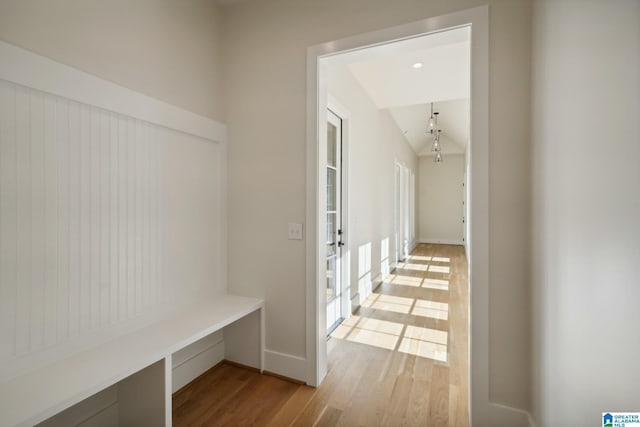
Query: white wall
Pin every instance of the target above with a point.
(169, 50)
(164, 49)
(586, 206)
(375, 143)
(265, 46)
(105, 219)
(440, 196)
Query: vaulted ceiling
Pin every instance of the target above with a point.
(390, 76)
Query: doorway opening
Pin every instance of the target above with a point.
(477, 20)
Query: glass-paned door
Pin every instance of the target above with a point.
(403, 222)
(334, 221)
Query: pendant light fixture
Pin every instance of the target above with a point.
(432, 121)
(434, 131)
(438, 158)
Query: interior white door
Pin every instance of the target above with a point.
(335, 292)
(402, 212)
(398, 216)
(404, 209)
(464, 207)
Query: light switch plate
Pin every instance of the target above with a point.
(295, 231)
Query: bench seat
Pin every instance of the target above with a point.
(40, 394)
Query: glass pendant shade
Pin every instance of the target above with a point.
(433, 130)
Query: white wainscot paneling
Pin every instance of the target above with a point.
(106, 222)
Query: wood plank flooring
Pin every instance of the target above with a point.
(401, 360)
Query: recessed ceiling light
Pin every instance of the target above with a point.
(417, 65)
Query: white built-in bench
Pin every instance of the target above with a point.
(124, 225)
(137, 366)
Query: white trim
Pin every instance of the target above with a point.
(288, 365)
(29, 69)
(375, 284)
(355, 302)
(376, 281)
(337, 107)
(510, 416)
(478, 18)
(440, 241)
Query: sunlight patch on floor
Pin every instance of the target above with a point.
(415, 282)
(410, 339)
(419, 258)
(376, 339)
(439, 284)
(432, 309)
(392, 303)
(424, 349)
(439, 269)
(383, 326)
(404, 335)
(414, 267)
(426, 334)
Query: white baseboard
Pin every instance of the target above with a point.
(376, 281)
(355, 302)
(503, 415)
(441, 241)
(357, 299)
(197, 364)
(287, 365)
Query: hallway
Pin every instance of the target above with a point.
(401, 359)
(415, 328)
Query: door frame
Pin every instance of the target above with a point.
(341, 223)
(316, 350)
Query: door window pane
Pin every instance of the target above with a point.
(331, 144)
(331, 228)
(331, 190)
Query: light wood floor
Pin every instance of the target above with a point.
(400, 360)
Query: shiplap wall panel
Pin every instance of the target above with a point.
(8, 221)
(104, 219)
(24, 231)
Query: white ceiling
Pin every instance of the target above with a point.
(387, 75)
